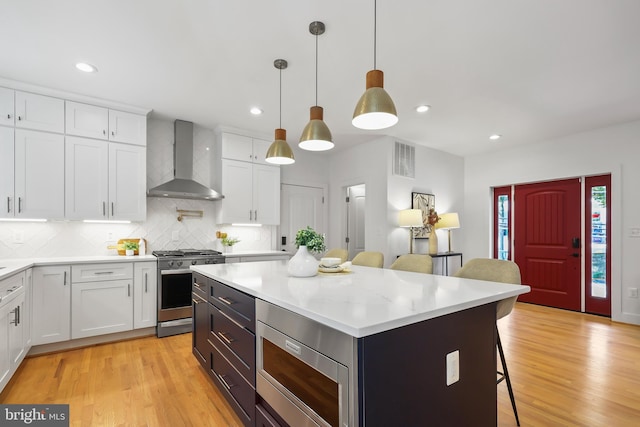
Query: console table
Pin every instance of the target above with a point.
(445, 260)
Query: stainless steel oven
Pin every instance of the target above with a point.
(174, 287)
(304, 370)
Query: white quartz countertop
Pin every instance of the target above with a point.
(363, 302)
(12, 266)
(235, 253)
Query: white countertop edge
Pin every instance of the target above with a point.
(255, 253)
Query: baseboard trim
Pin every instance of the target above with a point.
(55, 347)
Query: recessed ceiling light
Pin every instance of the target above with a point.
(256, 111)
(495, 136)
(423, 108)
(87, 68)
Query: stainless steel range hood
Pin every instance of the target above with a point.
(182, 186)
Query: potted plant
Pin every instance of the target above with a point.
(227, 242)
(303, 264)
(130, 248)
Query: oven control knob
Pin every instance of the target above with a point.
(194, 262)
(170, 263)
(179, 263)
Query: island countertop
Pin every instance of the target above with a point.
(364, 301)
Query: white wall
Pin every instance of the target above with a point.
(614, 150)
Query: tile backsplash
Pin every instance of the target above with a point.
(162, 230)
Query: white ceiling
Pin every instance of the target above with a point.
(530, 70)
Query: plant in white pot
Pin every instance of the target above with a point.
(303, 264)
(130, 248)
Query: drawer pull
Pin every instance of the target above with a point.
(226, 384)
(103, 272)
(223, 335)
(231, 319)
(227, 300)
(197, 285)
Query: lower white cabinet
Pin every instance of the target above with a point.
(51, 304)
(13, 329)
(101, 299)
(145, 294)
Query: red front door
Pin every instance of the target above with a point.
(547, 242)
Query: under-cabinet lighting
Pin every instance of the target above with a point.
(24, 219)
(104, 221)
(239, 224)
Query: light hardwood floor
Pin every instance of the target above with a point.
(567, 369)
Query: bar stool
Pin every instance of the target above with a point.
(413, 262)
(369, 259)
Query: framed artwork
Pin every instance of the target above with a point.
(424, 202)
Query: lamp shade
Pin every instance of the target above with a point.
(316, 135)
(279, 152)
(448, 221)
(375, 109)
(410, 218)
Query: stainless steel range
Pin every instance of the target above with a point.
(174, 287)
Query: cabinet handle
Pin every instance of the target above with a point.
(128, 289)
(255, 215)
(19, 204)
(112, 208)
(8, 116)
(8, 204)
(226, 300)
(64, 280)
(16, 316)
(223, 335)
(113, 133)
(19, 117)
(250, 215)
(226, 384)
(104, 208)
(104, 132)
(145, 282)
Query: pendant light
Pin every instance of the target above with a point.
(316, 135)
(375, 109)
(279, 152)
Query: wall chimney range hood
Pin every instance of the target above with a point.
(182, 186)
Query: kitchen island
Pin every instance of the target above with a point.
(401, 348)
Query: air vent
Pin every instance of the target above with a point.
(404, 160)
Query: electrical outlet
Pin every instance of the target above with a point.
(453, 367)
(175, 236)
(634, 232)
(109, 236)
(18, 237)
(633, 292)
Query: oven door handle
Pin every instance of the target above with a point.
(181, 271)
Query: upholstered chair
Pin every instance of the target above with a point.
(413, 262)
(343, 254)
(496, 270)
(369, 259)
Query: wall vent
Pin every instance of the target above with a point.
(404, 160)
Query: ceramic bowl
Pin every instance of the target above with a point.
(330, 262)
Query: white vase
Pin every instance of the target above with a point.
(433, 241)
(303, 264)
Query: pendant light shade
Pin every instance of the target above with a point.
(375, 109)
(316, 135)
(279, 152)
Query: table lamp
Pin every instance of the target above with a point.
(448, 221)
(410, 218)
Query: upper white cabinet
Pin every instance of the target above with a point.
(103, 123)
(6, 172)
(244, 148)
(39, 112)
(127, 182)
(7, 106)
(39, 175)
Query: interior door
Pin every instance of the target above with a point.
(547, 245)
(356, 197)
(300, 207)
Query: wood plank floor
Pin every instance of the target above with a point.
(567, 369)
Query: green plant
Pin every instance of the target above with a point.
(229, 241)
(313, 240)
(131, 245)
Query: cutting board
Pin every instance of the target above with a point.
(121, 242)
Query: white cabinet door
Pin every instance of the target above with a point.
(39, 175)
(99, 308)
(266, 195)
(51, 309)
(260, 148)
(127, 127)
(86, 120)
(145, 304)
(6, 318)
(16, 331)
(39, 112)
(127, 182)
(28, 311)
(237, 147)
(7, 106)
(86, 178)
(237, 187)
(6, 173)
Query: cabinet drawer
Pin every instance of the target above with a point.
(236, 343)
(100, 272)
(200, 285)
(241, 394)
(237, 305)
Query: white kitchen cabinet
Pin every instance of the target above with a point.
(101, 299)
(7, 189)
(51, 308)
(39, 175)
(252, 193)
(244, 148)
(7, 106)
(39, 112)
(127, 182)
(145, 302)
(12, 326)
(103, 123)
(28, 312)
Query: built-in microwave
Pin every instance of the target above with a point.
(296, 377)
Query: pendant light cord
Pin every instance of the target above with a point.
(316, 70)
(375, 32)
(280, 98)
